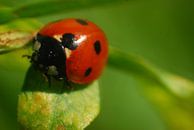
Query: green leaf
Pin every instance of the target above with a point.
(47, 107)
(12, 40)
(6, 14)
(25, 25)
(172, 95)
(177, 85)
(174, 101)
(13, 37)
(34, 9)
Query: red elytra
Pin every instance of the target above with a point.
(86, 62)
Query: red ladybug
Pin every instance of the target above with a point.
(75, 50)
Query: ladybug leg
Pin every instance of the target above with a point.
(68, 85)
(47, 79)
(26, 56)
(66, 82)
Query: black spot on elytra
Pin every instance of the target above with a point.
(88, 71)
(68, 41)
(82, 22)
(97, 47)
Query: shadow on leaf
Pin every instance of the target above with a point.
(35, 81)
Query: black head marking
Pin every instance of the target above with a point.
(97, 47)
(88, 71)
(68, 41)
(82, 22)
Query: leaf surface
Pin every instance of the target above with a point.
(44, 106)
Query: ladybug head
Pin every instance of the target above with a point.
(49, 56)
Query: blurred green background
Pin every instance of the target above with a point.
(161, 31)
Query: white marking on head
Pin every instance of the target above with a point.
(37, 45)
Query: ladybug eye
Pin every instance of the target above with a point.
(68, 41)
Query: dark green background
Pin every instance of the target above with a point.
(161, 31)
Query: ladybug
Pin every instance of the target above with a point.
(73, 50)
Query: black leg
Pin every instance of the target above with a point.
(27, 56)
(68, 85)
(48, 78)
(49, 81)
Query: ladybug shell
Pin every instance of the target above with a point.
(86, 62)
